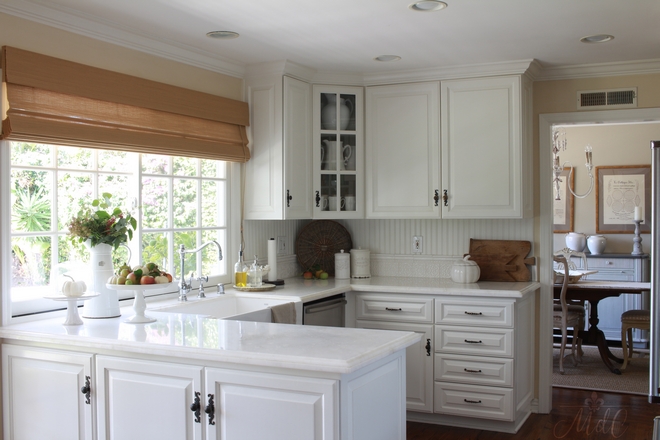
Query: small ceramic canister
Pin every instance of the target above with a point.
(342, 265)
(465, 271)
(360, 263)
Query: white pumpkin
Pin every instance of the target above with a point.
(73, 288)
(465, 271)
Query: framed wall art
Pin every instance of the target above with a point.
(563, 210)
(619, 190)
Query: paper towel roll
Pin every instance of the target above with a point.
(272, 259)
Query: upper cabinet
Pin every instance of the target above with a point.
(456, 149)
(486, 148)
(403, 151)
(279, 173)
(338, 152)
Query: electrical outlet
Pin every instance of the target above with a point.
(281, 245)
(417, 244)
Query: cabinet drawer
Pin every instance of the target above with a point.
(474, 370)
(474, 401)
(474, 312)
(394, 308)
(612, 275)
(610, 263)
(474, 340)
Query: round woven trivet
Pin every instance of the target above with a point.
(319, 241)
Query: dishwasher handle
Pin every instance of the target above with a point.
(325, 306)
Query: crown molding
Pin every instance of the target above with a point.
(639, 67)
(114, 34)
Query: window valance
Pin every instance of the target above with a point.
(54, 101)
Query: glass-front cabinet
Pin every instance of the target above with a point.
(338, 152)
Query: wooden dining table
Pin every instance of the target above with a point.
(593, 292)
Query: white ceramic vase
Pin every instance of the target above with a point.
(106, 305)
(576, 241)
(596, 244)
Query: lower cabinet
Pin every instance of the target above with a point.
(67, 395)
(42, 396)
(475, 365)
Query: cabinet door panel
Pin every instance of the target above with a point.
(481, 148)
(144, 399)
(419, 363)
(402, 150)
(251, 405)
(42, 398)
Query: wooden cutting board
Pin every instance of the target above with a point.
(502, 260)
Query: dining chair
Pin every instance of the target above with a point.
(631, 319)
(565, 315)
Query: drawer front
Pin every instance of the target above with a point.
(474, 401)
(612, 275)
(610, 263)
(474, 341)
(474, 312)
(394, 308)
(474, 370)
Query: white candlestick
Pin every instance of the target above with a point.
(638, 213)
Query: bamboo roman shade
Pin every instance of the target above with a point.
(54, 101)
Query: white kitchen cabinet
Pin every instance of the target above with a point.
(131, 392)
(251, 405)
(403, 151)
(405, 313)
(486, 147)
(42, 396)
(278, 175)
(338, 156)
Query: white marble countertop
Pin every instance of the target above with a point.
(328, 349)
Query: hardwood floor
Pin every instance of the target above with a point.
(576, 414)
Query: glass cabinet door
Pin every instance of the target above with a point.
(339, 152)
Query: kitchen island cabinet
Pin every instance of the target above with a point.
(273, 381)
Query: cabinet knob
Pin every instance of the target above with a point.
(195, 408)
(210, 410)
(445, 197)
(436, 197)
(87, 390)
(318, 199)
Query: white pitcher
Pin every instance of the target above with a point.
(346, 153)
(329, 154)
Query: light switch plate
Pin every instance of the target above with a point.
(417, 244)
(281, 245)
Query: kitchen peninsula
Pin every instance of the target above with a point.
(191, 376)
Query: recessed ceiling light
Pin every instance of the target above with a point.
(600, 38)
(428, 5)
(386, 58)
(222, 35)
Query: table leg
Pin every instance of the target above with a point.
(596, 336)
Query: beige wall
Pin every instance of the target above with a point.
(47, 40)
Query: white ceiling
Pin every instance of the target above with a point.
(343, 36)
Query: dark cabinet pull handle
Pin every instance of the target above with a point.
(87, 390)
(474, 313)
(318, 200)
(210, 410)
(436, 197)
(195, 407)
(473, 342)
(445, 197)
(471, 371)
(428, 347)
(472, 401)
(289, 197)
(393, 309)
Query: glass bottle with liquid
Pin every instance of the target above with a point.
(240, 271)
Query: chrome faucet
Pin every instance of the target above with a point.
(186, 287)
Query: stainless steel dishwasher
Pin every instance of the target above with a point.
(327, 312)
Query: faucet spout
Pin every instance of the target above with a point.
(186, 287)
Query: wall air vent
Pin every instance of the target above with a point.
(607, 99)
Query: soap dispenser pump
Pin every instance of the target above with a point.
(254, 274)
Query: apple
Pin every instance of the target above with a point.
(318, 273)
(169, 277)
(308, 275)
(124, 272)
(324, 276)
(132, 278)
(147, 279)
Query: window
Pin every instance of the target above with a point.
(176, 200)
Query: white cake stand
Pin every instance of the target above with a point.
(139, 305)
(72, 317)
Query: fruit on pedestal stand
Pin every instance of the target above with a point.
(147, 274)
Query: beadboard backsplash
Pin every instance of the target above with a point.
(391, 242)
